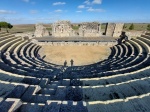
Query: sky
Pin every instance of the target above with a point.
(76, 11)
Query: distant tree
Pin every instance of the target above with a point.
(5, 25)
(148, 27)
(131, 27)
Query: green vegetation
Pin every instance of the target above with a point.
(131, 27)
(103, 26)
(50, 29)
(23, 28)
(31, 27)
(148, 27)
(5, 25)
(137, 26)
(75, 27)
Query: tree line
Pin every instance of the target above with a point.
(132, 27)
(5, 25)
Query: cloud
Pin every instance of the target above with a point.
(59, 3)
(87, 2)
(95, 10)
(97, 2)
(59, 10)
(7, 12)
(33, 11)
(81, 6)
(26, 0)
(79, 11)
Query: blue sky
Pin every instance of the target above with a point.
(48, 11)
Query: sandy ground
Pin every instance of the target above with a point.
(81, 55)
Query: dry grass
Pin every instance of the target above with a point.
(30, 27)
(82, 55)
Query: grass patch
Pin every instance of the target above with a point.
(75, 27)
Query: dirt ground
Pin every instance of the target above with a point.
(81, 55)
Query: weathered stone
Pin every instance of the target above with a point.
(25, 35)
(118, 29)
(90, 29)
(53, 106)
(74, 93)
(114, 29)
(28, 96)
(18, 91)
(40, 31)
(75, 82)
(71, 106)
(10, 105)
(44, 82)
(32, 81)
(31, 108)
(62, 29)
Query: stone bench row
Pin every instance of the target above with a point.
(9, 55)
(131, 104)
(122, 58)
(15, 78)
(119, 91)
(115, 78)
(145, 46)
(16, 105)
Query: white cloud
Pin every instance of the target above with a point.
(26, 0)
(97, 2)
(81, 6)
(33, 11)
(95, 10)
(87, 2)
(59, 10)
(79, 11)
(7, 12)
(59, 3)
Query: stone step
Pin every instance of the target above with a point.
(31, 81)
(44, 82)
(32, 90)
(48, 91)
(31, 107)
(18, 91)
(10, 105)
(71, 106)
(52, 86)
(33, 95)
(148, 34)
(1, 100)
(52, 106)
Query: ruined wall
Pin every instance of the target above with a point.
(77, 43)
(40, 31)
(90, 29)
(118, 29)
(114, 29)
(135, 33)
(62, 29)
(110, 27)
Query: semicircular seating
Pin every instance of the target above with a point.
(117, 84)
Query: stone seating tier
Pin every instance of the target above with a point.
(28, 83)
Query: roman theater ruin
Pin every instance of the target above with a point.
(67, 70)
